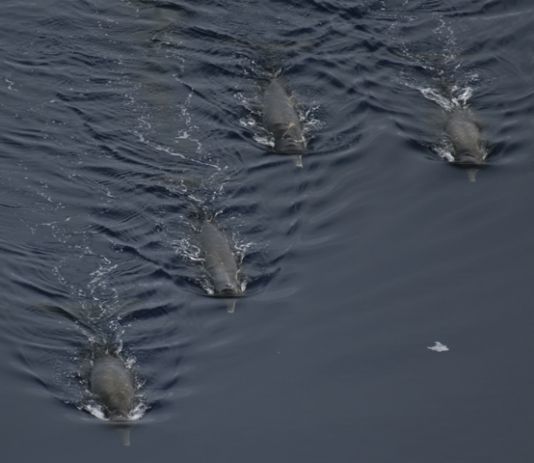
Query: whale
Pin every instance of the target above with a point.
(112, 384)
(281, 119)
(464, 133)
(219, 261)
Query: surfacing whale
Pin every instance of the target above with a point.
(464, 133)
(220, 261)
(112, 384)
(281, 119)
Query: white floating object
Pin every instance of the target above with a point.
(438, 347)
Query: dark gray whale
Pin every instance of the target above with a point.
(465, 136)
(219, 261)
(281, 119)
(112, 384)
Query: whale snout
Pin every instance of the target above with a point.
(289, 140)
(289, 146)
(119, 417)
(229, 292)
(230, 289)
(470, 160)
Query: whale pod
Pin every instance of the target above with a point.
(281, 119)
(219, 261)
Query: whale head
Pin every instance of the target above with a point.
(289, 145)
(119, 406)
(473, 157)
(464, 133)
(469, 161)
(229, 290)
(289, 139)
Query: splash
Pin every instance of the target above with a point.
(444, 151)
(138, 411)
(436, 97)
(459, 96)
(186, 249)
(96, 410)
(242, 247)
(311, 121)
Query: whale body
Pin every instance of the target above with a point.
(219, 261)
(464, 133)
(113, 385)
(281, 119)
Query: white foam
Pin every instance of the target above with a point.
(444, 153)
(438, 347)
(433, 95)
(138, 412)
(96, 410)
(185, 248)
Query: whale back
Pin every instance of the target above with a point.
(465, 135)
(282, 120)
(113, 384)
(219, 261)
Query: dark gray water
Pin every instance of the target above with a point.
(121, 119)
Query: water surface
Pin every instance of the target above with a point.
(122, 119)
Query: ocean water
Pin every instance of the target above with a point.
(388, 312)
